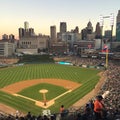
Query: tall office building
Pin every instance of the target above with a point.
(76, 30)
(53, 34)
(5, 37)
(63, 27)
(89, 28)
(107, 34)
(11, 36)
(84, 34)
(21, 32)
(26, 26)
(98, 31)
(31, 32)
(118, 26)
(26, 31)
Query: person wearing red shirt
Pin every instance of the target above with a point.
(99, 108)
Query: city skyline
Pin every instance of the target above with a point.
(45, 13)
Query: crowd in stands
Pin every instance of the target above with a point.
(111, 99)
(110, 89)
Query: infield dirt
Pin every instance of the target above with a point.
(65, 83)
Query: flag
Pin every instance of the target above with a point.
(89, 46)
(105, 48)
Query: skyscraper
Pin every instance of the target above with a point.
(26, 26)
(84, 34)
(21, 32)
(31, 32)
(63, 27)
(26, 31)
(76, 30)
(5, 36)
(118, 26)
(98, 31)
(53, 34)
(89, 28)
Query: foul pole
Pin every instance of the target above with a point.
(106, 58)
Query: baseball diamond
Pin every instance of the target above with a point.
(69, 84)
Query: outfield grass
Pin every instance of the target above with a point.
(87, 77)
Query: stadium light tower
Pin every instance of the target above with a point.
(111, 24)
(101, 26)
(111, 17)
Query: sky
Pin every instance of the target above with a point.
(41, 14)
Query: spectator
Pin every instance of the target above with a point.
(29, 116)
(88, 114)
(99, 108)
(62, 108)
(63, 112)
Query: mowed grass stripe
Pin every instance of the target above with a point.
(45, 71)
(71, 98)
(87, 77)
(19, 103)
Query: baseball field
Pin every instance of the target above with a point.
(35, 87)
